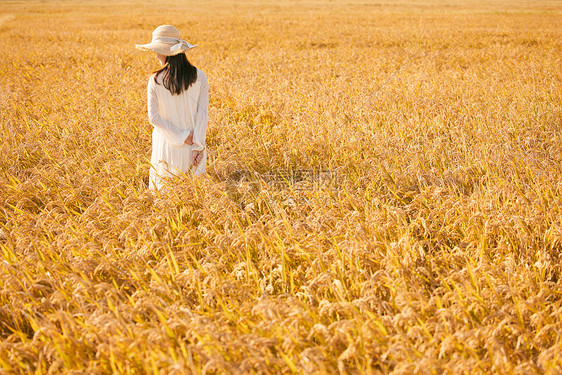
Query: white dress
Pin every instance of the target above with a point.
(174, 117)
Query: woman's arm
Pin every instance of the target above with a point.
(202, 117)
(173, 134)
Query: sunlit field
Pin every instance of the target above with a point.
(383, 192)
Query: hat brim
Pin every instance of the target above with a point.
(163, 48)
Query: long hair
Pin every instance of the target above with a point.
(178, 73)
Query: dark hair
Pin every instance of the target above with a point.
(178, 73)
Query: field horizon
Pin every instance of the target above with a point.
(383, 192)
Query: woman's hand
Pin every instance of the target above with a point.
(189, 139)
(196, 156)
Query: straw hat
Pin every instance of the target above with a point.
(166, 41)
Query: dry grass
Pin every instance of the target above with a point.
(438, 251)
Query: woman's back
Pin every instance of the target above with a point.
(181, 110)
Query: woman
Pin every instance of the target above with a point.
(178, 101)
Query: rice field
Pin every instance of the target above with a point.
(383, 192)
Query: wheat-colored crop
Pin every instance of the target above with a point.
(383, 195)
